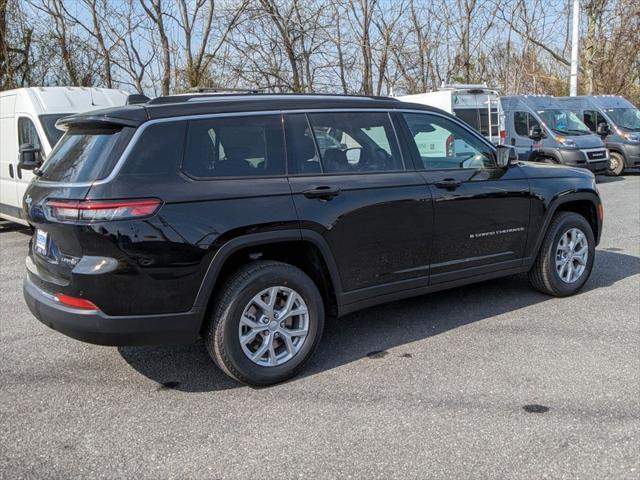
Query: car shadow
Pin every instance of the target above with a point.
(372, 332)
(7, 226)
(600, 179)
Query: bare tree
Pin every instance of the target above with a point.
(156, 13)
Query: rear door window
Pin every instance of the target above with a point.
(353, 142)
(235, 147)
(86, 154)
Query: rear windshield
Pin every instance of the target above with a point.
(85, 155)
(478, 118)
(49, 124)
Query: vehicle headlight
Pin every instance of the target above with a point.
(566, 142)
(631, 137)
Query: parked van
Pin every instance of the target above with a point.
(27, 128)
(623, 121)
(544, 130)
(476, 105)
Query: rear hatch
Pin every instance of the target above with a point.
(88, 152)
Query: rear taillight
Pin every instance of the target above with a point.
(503, 136)
(100, 210)
(75, 302)
(451, 152)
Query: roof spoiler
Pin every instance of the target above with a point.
(136, 99)
(94, 121)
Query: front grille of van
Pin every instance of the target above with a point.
(597, 155)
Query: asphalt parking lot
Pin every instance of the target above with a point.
(432, 387)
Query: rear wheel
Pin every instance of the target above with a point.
(267, 322)
(616, 164)
(566, 257)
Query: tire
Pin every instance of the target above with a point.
(616, 164)
(248, 288)
(547, 160)
(544, 275)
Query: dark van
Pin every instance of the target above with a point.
(621, 122)
(246, 219)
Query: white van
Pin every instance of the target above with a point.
(27, 123)
(477, 105)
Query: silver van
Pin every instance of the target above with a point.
(623, 121)
(544, 130)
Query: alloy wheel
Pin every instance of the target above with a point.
(274, 326)
(572, 254)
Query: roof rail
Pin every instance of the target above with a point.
(214, 90)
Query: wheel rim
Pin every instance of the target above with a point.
(614, 163)
(572, 254)
(274, 326)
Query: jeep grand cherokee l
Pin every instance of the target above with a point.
(224, 217)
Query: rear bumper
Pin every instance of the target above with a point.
(97, 327)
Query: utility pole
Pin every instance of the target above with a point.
(575, 39)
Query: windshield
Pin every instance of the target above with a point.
(628, 118)
(563, 121)
(50, 130)
(84, 155)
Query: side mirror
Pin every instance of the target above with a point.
(536, 133)
(506, 155)
(30, 157)
(603, 129)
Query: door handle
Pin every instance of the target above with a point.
(448, 183)
(323, 192)
(11, 170)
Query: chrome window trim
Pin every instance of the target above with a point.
(141, 129)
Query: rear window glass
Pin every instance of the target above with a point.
(235, 147)
(85, 155)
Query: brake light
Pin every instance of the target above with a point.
(101, 210)
(503, 136)
(75, 302)
(450, 146)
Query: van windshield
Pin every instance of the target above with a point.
(85, 155)
(628, 118)
(563, 121)
(49, 124)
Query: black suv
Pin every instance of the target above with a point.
(245, 219)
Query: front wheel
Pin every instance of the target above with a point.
(266, 324)
(566, 257)
(616, 164)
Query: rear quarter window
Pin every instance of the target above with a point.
(235, 147)
(158, 150)
(85, 155)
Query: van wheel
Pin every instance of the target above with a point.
(267, 322)
(566, 257)
(616, 164)
(548, 160)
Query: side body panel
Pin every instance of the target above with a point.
(8, 157)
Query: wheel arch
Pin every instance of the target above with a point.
(585, 203)
(304, 249)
